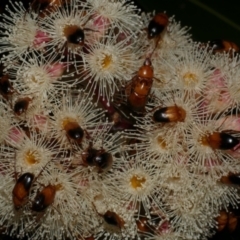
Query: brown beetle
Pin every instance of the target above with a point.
(157, 25)
(45, 197)
(141, 85)
(73, 130)
(21, 190)
(169, 114)
(220, 46)
(21, 105)
(101, 159)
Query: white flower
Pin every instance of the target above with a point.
(68, 214)
(155, 143)
(38, 75)
(190, 69)
(135, 184)
(189, 212)
(68, 29)
(96, 162)
(73, 120)
(107, 66)
(34, 153)
(116, 14)
(20, 30)
(219, 195)
(206, 155)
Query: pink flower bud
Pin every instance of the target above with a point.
(217, 79)
(229, 123)
(15, 135)
(40, 38)
(216, 98)
(40, 122)
(100, 23)
(84, 183)
(99, 26)
(56, 69)
(164, 228)
(124, 36)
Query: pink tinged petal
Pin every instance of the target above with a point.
(123, 36)
(165, 227)
(131, 206)
(203, 106)
(100, 23)
(99, 26)
(40, 122)
(217, 95)
(209, 163)
(83, 184)
(217, 79)
(40, 38)
(56, 70)
(181, 159)
(229, 123)
(15, 135)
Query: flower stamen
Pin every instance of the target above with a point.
(106, 61)
(31, 158)
(137, 181)
(190, 78)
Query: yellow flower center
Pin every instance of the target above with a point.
(106, 61)
(190, 78)
(137, 181)
(59, 187)
(31, 158)
(203, 140)
(34, 79)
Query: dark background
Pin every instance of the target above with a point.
(208, 19)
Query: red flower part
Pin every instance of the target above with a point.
(164, 227)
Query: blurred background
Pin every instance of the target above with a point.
(208, 20)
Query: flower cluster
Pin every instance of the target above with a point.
(114, 124)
